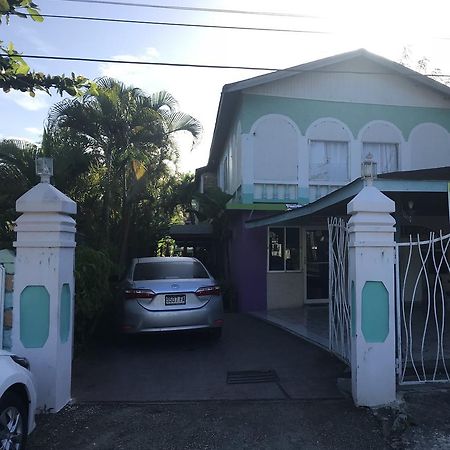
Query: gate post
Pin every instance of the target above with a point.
(372, 294)
(44, 291)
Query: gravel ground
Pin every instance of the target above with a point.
(287, 424)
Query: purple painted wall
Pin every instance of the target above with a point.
(248, 262)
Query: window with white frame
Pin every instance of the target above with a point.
(385, 155)
(283, 249)
(328, 161)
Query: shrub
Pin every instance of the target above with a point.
(92, 292)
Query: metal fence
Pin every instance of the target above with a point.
(339, 306)
(423, 309)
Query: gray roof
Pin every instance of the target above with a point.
(231, 93)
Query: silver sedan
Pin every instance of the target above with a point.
(171, 293)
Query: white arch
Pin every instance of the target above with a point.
(258, 121)
(429, 145)
(329, 129)
(427, 124)
(275, 143)
(382, 132)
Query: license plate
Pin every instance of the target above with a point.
(175, 300)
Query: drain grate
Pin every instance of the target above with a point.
(252, 376)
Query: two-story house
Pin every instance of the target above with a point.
(295, 139)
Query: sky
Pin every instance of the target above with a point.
(383, 27)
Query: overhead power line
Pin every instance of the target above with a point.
(209, 66)
(177, 24)
(192, 8)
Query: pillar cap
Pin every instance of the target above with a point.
(45, 198)
(370, 199)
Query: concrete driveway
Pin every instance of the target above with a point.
(171, 393)
(191, 366)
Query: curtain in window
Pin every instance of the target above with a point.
(385, 155)
(328, 161)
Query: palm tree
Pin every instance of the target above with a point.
(17, 172)
(131, 134)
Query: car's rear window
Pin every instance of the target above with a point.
(162, 270)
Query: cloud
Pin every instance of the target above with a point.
(25, 101)
(131, 74)
(35, 132)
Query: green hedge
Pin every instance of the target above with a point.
(93, 294)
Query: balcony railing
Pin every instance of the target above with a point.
(275, 192)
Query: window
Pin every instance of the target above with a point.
(284, 249)
(328, 161)
(385, 155)
(169, 269)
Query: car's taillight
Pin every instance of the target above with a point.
(139, 293)
(208, 290)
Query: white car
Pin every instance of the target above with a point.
(17, 401)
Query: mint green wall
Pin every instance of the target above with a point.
(34, 316)
(354, 115)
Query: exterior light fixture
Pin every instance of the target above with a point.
(369, 169)
(44, 168)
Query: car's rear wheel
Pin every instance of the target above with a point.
(13, 422)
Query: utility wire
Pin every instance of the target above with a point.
(178, 24)
(191, 25)
(209, 66)
(192, 8)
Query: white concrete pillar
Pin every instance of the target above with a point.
(371, 290)
(44, 291)
(247, 149)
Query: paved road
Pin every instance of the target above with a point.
(171, 392)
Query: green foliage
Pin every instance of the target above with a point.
(212, 203)
(18, 175)
(93, 295)
(165, 246)
(131, 135)
(115, 156)
(15, 74)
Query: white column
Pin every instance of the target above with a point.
(371, 290)
(247, 144)
(44, 291)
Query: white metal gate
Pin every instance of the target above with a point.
(339, 305)
(2, 302)
(423, 309)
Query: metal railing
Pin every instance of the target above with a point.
(423, 296)
(275, 192)
(339, 306)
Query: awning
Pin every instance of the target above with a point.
(335, 203)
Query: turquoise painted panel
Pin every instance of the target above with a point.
(353, 306)
(375, 312)
(354, 115)
(34, 316)
(65, 313)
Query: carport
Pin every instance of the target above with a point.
(421, 199)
